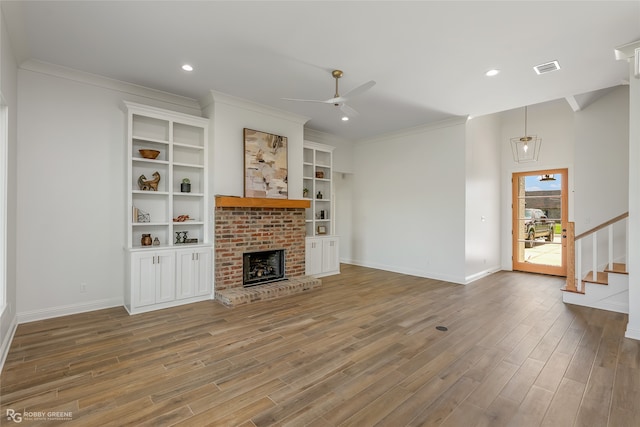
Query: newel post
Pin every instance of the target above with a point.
(568, 237)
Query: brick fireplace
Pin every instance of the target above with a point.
(245, 225)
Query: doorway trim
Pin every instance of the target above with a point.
(564, 215)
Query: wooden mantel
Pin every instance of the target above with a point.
(255, 202)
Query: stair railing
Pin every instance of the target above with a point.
(574, 250)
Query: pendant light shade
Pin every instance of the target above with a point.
(526, 148)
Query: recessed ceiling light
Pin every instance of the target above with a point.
(345, 118)
(492, 73)
(187, 67)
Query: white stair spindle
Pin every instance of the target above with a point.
(594, 268)
(610, 243)
(579, 265)
(626, 236)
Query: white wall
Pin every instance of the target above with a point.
(482, 222)
(602, 172)
(408, 202)
(601, 175)
(343, 197)
(71, 191)
(591, 143)
(229, 116)
(9, 91)
(343, 153)
(633, 327)
(343, 167)
(551, 121)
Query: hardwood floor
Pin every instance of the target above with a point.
(362, 351)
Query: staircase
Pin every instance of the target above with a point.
(606, 283)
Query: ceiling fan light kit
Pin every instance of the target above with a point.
(341, 100)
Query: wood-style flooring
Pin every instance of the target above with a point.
(362, 351)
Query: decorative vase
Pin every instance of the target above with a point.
(156, 242)
(146, 240)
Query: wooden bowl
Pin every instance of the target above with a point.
(149, 154)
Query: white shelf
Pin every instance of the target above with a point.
(150, 193)
(143, 160)
(318, 158)
(146, 139)
(188, 146)
(182, 142)
(187, 165)
(188, 194)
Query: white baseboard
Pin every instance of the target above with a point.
(407, 271)
(6, 342)
(634, 334)
(65, 310)
(481, 274)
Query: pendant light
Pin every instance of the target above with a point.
(526, 148)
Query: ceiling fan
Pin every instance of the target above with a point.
(340, 100)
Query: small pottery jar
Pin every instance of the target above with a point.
(146, 240)
(156, 242)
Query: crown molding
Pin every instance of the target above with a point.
(108, 83)
(215, 97)
(630, 52)
(456, 121)
(627, 51)
(323, 137)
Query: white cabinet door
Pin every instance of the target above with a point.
(330, 255)
(153, 278)
(143, 279)
(184, 274)
(313, 256)
(193, 272)
(202, 272)
(165, 277)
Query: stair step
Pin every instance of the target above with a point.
(564, 289)
(617, 268)
(573, 289)
(600, 278)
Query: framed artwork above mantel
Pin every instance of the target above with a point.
(265, 165)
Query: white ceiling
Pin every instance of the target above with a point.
(428, 58)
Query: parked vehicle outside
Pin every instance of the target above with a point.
(537, 225)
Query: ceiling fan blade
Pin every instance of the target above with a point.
(358, 90)
(336, 101)
(350, 112)
(328, 101)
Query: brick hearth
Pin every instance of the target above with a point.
(240, 229)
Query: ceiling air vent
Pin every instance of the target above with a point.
(547, 67)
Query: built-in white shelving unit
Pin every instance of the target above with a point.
(317, 169)
(322, 254)
(156, 209)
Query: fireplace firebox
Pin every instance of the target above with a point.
(262, 267)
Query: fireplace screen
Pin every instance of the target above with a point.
(262, 267)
